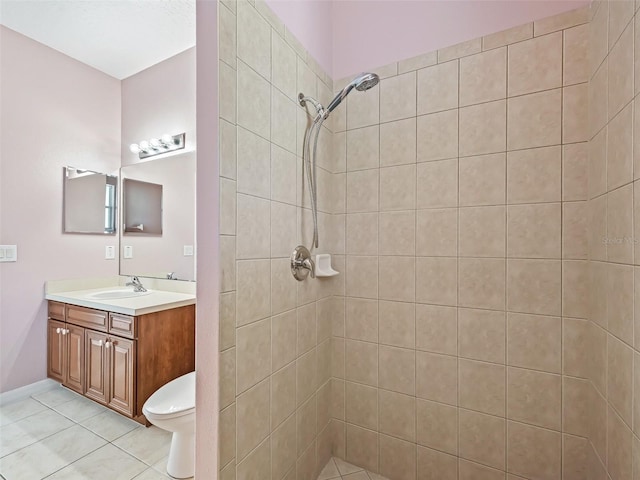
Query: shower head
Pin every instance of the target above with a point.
(366, 81)
(362, 82)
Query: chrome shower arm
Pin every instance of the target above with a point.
(318, 106)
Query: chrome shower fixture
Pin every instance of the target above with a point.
(318, 106)
(362, 83)
(301, 261)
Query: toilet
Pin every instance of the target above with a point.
(173, 408)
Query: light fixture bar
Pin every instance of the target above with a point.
(166, 143)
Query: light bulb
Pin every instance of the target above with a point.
(155, 143)
(144, 145)
(134, 148)
(167, 139)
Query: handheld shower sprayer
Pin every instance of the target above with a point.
(299, 266)
(362, 83)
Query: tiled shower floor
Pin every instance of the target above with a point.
(59, 435)
(339, 469)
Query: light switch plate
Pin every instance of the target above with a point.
(109, 252)
(8, 253)
(128, 251)
(188, 250)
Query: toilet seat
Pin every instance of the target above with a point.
(175, 399)
(151, 416)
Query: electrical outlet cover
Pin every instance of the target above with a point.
(8, 253)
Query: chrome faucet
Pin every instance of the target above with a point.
(136, 284)
(302, 264)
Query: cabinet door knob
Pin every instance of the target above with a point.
(58, 330)
(65, 331)
(107, 344)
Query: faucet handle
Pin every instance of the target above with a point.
(302, 264)
(310, 265)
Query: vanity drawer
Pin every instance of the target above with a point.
(122, 325)
(56, 310)
(87, 317)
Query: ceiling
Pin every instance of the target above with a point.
(117, 37)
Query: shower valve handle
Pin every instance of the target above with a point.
(302, 264)
(310, 265)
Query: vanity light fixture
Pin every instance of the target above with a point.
(157, 146)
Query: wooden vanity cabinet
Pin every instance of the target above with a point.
(56, 361)
(125, 359)
(65, 349)
(75, 358)
(122, 375)
(110, 371)
(97, 366)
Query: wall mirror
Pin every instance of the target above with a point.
(141, 207)
(157, 238)
(89, 202)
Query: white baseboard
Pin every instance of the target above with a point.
(26, 391)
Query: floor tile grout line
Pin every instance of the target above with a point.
(147, 465)
(75, 461)
(59, 431)
(39, 440)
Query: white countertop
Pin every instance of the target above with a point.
(155, 301)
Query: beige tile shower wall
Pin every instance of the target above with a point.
(275, 345)
(614, 220)
(462, 354)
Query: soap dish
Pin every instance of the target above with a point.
(323, 266)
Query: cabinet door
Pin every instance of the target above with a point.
(97, 383)
(56, 358)
(122, 358)
(75, 358)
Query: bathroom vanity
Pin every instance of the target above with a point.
(119, 351)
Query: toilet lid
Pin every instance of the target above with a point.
(179, 395)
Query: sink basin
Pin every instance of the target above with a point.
(116, 294)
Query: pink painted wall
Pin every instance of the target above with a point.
(368, 34)
(372, 34)
(54, 111)
(310, 21)
(162, 99)
(158, 100)
(208, 258)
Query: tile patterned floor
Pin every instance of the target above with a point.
(339, 469)
(60, 435)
